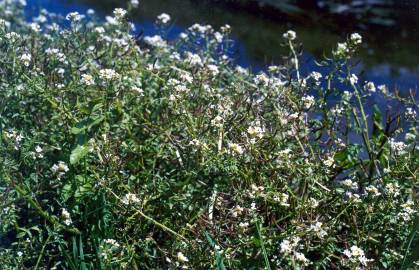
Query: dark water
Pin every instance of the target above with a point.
(390, 29)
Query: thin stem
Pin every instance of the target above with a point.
(139, 212)
(297, 68)
(42, 252)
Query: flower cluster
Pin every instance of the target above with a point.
(151, 153)
(356, 256)
(60, 169)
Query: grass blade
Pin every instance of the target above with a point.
(262, 245)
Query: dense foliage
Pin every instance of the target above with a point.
(119, 151)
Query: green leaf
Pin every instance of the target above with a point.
(78, 153)
(262, 244)
(75, 251)
(377, 128)
(82, 263)
(413, 246)
(348, 158)
(66, 192)
(86, 124)
(83, 190)
(218, 257)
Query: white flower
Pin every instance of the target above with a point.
(218, 37)
(60, 71)
(356, 38)
(182, 258)
(308, 101)
(356, 255)
(155, 41)
(193, 59)
(255, 131)
(317, 228)
(410, 136)
(180, 88)
(285, 246)
(99, 30)
(262, 79)
(38, 152)
(119, 13)
(373, 191)
(5, 23)
(111, 20)
(130, 198)
(407, 211)
(410, 113)
(346, 95)
(183, 35)
(139, 90)
(65, 215)
(163, 18)
(12, 134)
(393, 189)
(243, 225)
(353, 197)
(26, 59)
(301, 258)
(112, 242)
(35, 27)
(56, 54)
(370, 87)
(236, 148)
(213, 69)
(108, 74)
(238, 210)
(290, 35)
(74, 17)
(87, 79)
(353, 79)
(329, 161)
(349, 252)
(135, 3)
(316, 75)
(241, 70)
(282, 199)
(313, 203)
(38, 149)
(186, 77)
(19, 253)
(356, 251)
(12, 36)
(226, 28)
(364, 261)
(349, 184)
(338, 110)
(382, 88)
(121, 42)
(399, 148)
(60, 169)
(200, 29)
(342, 49)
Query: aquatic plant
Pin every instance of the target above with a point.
(119, 151)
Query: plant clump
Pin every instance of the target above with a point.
(126, 152)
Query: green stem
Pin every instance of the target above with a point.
(52, 219)
(262, 245)
(297, 68)
(139, 212)
(42, 252)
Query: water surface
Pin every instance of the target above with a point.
(390, 29)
